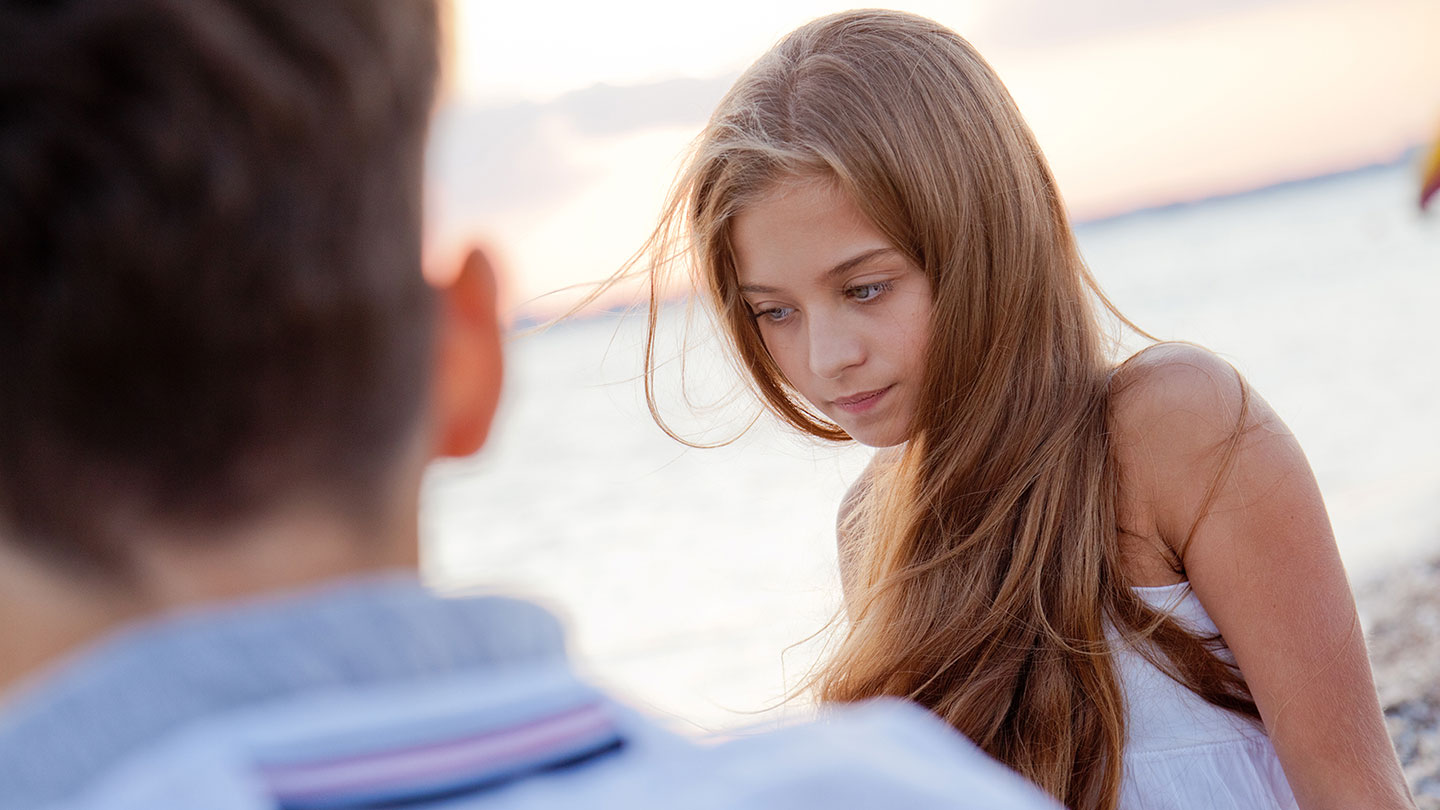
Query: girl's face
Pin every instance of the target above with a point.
(845, 315)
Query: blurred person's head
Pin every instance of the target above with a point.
(213, 313)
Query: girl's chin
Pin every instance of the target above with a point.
(888, 427)
(877, 437)
(879, 444)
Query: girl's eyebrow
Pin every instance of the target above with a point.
(858, 259)
(838, 270)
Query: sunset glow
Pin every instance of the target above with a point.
(1130, 116)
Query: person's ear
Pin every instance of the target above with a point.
(468, 364)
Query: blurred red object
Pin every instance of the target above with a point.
(1430, 180)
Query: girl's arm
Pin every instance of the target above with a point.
(1263, 561)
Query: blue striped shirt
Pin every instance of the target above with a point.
(375, 693)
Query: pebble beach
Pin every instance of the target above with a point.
(1401, 613)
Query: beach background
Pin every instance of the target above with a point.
(1244, 175)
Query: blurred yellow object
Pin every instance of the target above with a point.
(1430, 180)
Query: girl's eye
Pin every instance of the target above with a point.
(867, 292)
(774, 314)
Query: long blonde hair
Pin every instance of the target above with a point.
(989, 564)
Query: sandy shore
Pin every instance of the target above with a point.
(1401, 611)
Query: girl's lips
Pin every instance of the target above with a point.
(863, 401)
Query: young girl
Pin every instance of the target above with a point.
(1118, 579)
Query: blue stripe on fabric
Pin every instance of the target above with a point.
(472, 784)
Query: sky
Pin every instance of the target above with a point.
(564, 125)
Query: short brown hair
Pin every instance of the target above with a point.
(209, 245)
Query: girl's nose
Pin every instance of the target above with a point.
(833, 348)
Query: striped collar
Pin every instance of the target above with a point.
(424, 756)
(155, 680)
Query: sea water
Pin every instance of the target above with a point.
(690, 577)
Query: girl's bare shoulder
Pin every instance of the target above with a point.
(1180, 415)
(1179, 398)
(1170, 380)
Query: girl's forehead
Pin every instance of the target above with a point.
(796, 190)
(801, 226)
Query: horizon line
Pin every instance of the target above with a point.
(527, 319)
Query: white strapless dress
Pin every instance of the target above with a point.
(1183, 753)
